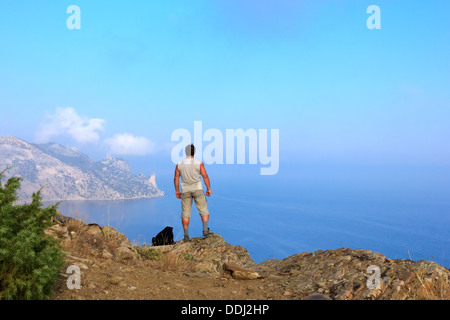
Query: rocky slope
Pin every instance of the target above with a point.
(210, 268)
(69, 174)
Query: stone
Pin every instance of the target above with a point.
(317, 296)
(307, 288)
(397, 285)
(81, 265)
(241, 273)
(123, 252)
(346, 258)
(71, 257)
(94, 230)
(345, 294)
(106, 254)
(339, 273)
(115, 280)
(59, 231)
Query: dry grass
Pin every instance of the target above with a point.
(429, 288)
(167, 261)
(83, 242)
(77, 232)
(423, 281)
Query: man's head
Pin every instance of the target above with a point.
(190, 150)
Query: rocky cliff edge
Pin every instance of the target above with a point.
(210, 268)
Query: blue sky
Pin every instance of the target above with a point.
(338, 92)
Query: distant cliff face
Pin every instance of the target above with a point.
(68, 174)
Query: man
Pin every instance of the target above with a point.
(190, 170)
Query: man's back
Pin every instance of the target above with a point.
(189, 169)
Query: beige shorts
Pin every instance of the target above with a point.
(200, 202)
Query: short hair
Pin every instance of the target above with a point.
(190, 150)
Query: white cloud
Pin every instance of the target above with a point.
(67, 122)
(127, 144)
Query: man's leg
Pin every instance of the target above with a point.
(202, 206)
(205, 220)
(185, 223)
(186, 206)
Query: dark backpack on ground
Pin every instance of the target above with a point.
(165, 237)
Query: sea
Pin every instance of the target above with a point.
(403, 213)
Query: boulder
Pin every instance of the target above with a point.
(119, 244)
(94, 230)
(212, 253)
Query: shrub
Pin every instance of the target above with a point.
(29, 259)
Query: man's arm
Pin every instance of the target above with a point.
(205, 179)
(176, 182)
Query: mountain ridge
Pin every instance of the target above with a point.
(69, 174)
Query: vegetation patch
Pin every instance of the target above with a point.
(29, 259)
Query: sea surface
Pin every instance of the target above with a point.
(400, 215)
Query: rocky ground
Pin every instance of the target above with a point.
(210, 268)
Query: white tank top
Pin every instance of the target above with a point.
(190, 175)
